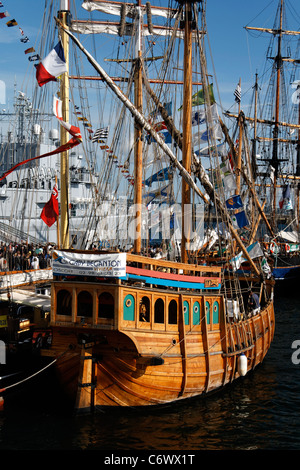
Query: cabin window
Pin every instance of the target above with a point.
(159, 311)
(186, 311)
(106, 305)
(196, 313)
(207, 310)
(144, 309)
(216, 317)
(85, 304)
(172, 320)
(64, 302)
(128, 312)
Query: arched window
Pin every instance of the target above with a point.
(144, 314)
(64, 302)
(196, 313)
(186, 312)
(172, 320)
(85, 304)
(106, 305)
(215, 313)
(159, 314)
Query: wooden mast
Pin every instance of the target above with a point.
(239, 159)
(274, 160)
(187, 137)
(138, 145)
(64, 15)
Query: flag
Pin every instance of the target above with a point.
(227, 176)
(166, 136)
(26, 39)
(34, 57)
(198, 117)
(100, 134)
(206, 151)
(239, 220)
(53, 65)
(1, 4)
(3, 15)
(160, 126)
(31, 49)
(162, 194)
(265, 267)
(214, 132)
(51, 211)
(236, 261)
(11, 23)
(57, 110)
(285, 201)
(161, 175)
(234, 202)
(254, 251)
(237, 93)
(198, 97)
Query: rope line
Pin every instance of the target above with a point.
(31, 376)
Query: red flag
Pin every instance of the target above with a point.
(50, 211)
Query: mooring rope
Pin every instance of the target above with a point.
(27, 378)
(33, 375)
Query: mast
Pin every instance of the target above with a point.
(138, 144)
(274, 161)
(239, 160)
(254, 141)
(64, 16)
(187, 123)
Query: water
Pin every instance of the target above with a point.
(259, 412)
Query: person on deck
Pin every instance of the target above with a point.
(253, 303)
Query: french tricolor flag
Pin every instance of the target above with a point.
(52, 66)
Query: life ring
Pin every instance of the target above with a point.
(272, 247)
(287, 248)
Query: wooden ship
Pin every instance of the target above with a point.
(133, 330)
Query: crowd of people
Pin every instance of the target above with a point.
(24, 256)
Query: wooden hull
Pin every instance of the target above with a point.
(131, 363)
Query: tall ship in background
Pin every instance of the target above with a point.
(271, 128)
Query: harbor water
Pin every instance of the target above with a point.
(260, 411)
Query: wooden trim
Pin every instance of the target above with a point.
(205, 343)
(170, 264)
(239, 351)
(164, 275)
(182, 340)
